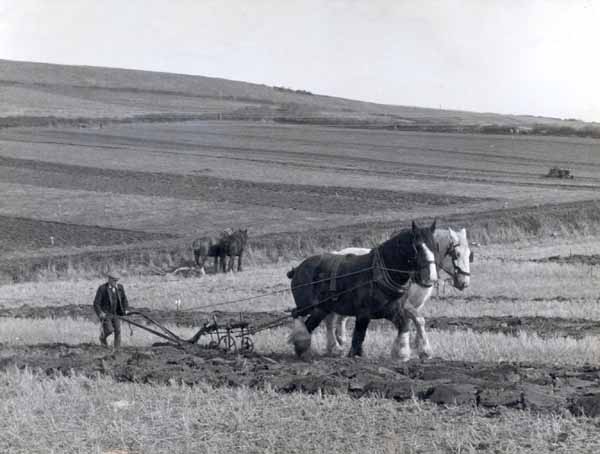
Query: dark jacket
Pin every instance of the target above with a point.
(110, 301)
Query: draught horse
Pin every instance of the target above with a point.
(234, 246)
(364, 286)
(230, 244)
(454, 257)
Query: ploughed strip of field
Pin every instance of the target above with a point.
(542, 326)
(489, 385)
(32, 234)
(325, 199)
(536, 387)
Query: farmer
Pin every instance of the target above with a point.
(110, 302)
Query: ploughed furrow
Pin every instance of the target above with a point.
(26, 233)
(327, 199)
(534, 387)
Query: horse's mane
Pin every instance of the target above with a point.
(402, 243)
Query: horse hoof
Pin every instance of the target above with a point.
(425, 354)
(335, 351)
(401, 356)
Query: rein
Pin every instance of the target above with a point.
(381, 274)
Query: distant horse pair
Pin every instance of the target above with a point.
(391, 281)
(230, 244)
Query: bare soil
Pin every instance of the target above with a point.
(27, 233)
(323, 199)
(490, 385)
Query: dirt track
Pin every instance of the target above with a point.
(489, 385)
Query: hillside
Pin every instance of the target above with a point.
(130, 166)
(38, 94)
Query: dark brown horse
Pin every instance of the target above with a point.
(207, 247)
(230, 244)
(366, 287)
(233, 246)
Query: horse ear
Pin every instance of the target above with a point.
(414, 227)
(471, 257)
(432, 228)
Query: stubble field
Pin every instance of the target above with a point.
(517, 351)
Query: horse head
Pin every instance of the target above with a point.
(423, 243)
(455, 256)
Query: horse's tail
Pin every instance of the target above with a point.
(290, 273)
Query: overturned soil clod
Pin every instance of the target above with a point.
(534, 387)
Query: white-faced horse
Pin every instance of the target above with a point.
(453, 257)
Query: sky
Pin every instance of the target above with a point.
(506, 56)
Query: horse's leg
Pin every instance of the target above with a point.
(240, 260)
(333, 346)
(231, 263)
(401, 346)
(340, 329)
(201, 264)
(216, 265)
(423, 345)
(358, 337)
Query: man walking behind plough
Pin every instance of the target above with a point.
(109, 304)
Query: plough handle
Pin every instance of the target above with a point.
(154, 322)
(175, 340)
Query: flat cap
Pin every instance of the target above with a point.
(112, 275)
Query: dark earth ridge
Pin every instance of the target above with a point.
(533, 387)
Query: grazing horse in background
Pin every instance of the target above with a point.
(206, 247)
(453, 257)
(209, 246)
(364, 286)
(233, 246)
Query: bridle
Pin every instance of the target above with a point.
(453, 254)
(382, 276)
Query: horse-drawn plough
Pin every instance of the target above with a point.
(231, 336)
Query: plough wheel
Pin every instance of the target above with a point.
(247, 345)
(228, 343)
(213, 344)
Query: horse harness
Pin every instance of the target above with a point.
(381, 277)
(451, 252)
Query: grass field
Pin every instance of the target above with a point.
(77, 414)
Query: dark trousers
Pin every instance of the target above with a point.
(111, 324)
